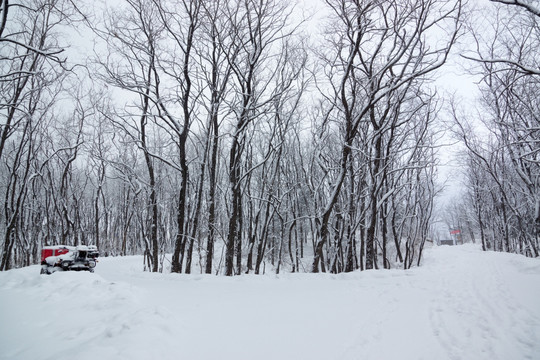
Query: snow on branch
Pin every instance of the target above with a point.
(521, 3)
(51, 54)
(524, 69)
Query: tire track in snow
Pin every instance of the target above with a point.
(458, 316)
(514, 325)
(476, 311)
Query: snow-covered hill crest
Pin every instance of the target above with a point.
(461, 304)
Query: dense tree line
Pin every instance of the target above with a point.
(502, 158)
(220, 133)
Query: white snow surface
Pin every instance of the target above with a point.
(461, 304)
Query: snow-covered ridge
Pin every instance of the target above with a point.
(461, 304)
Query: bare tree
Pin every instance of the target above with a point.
(259, 26)
(30, 70)
(219, 34)
(132, 36)
(180, 22)
(507, 60)
(373, 62)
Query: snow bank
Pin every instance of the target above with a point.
(462, 304)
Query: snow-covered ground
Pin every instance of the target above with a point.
(461, 304)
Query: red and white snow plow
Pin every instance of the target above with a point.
(66, 258)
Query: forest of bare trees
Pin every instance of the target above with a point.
(502, 161)
(221, 136)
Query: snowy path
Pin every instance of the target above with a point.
(461, 304)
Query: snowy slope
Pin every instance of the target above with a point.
(461, 304)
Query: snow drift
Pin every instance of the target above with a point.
(462, 304)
